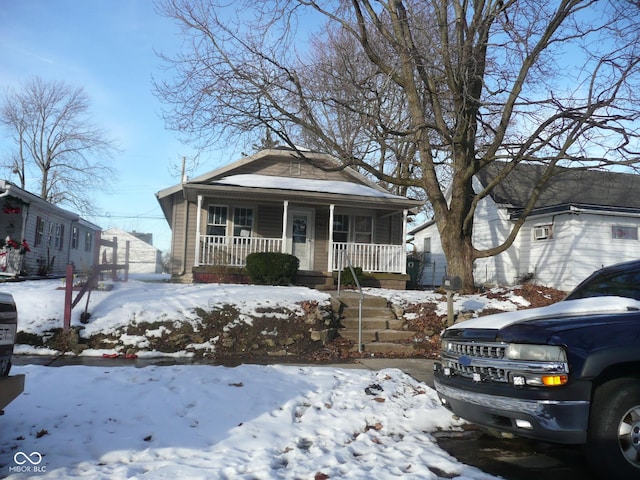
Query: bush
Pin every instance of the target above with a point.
(271, 268)
(347, 279)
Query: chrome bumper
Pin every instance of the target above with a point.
(561, 421)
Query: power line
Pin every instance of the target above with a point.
(130, 217)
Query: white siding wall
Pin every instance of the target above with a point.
(490, 228)
(143, 258)
(580, 244)
(550, 260)
(434, 263)
(82, 256)
(47, 250)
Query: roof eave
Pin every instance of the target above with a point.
(274, 194)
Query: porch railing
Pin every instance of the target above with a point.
(371, 257)
(233, 251)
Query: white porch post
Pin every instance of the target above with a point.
(404, 241)
(285, 214)
(198, 216)
(330, 261)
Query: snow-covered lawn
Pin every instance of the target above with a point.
(213, 422)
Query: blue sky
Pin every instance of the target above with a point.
(108, 48)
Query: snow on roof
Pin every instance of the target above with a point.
(303, 185)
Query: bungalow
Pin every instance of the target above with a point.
(38, 238)
(277, 201)
(583, 220)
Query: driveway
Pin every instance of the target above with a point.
(512, 459)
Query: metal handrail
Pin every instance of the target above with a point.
(353, 273)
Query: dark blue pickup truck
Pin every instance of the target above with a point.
(567, 373)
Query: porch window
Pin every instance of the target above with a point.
(75, 237)
(39, 231)
(363, 229)
(217, 220)
(624, 232)
(242, 222)
(355, 228)
(341, 228)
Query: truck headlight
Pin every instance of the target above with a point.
(536, 353)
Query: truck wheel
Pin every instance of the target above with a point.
(613, 445)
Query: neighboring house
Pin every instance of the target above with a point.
(143, 256)
(582, 221)
(276, 201)
(39, 238)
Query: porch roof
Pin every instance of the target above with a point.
(276, 188)
(303, 185)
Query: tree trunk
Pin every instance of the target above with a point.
(460, 256)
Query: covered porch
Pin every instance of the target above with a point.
(303, 234)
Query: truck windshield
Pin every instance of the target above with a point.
(619, 284)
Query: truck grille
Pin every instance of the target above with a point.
(478, 350)
(468, 359)
(486, 373)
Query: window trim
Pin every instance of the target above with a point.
(59, 236)
(88, 241)
(39, 231)
(234, 225)
(226, 220)
(352, 232)
(75, 237)
(630, 229)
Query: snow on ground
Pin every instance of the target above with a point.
(209, 422)
(212, 422)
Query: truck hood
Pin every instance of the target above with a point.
(567, 308)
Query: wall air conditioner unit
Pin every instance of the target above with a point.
(542, 232)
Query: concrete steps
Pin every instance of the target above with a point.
(382, 332)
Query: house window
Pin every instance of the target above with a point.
(427, 250)
(356, 228)
(59, 236)
(363, 229)
(217, 220)
(242, 222)
(624, 232)
(542, 232)
(75, 237)
(39, 231)
(88, 241)
(341, 228)
(294, 169)
(50, 235)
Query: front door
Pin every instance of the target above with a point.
(300, 234)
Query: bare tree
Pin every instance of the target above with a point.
(60, 152)
(414, 92)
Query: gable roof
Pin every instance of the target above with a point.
(567, 188)
(8, 190)
(133, 237)
(238, 179)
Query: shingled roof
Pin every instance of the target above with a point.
(569, 187)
